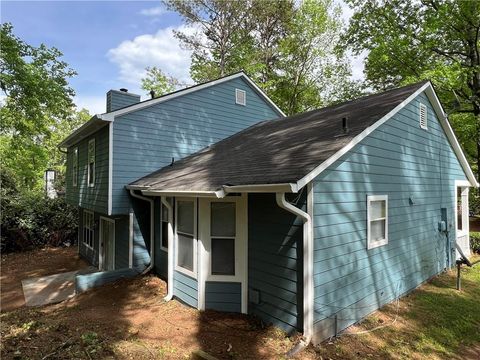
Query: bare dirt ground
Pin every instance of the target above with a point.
(130, 320)
(18, 266)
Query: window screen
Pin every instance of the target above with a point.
(222, 234)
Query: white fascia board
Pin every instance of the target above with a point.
(111, 115)
(262, 188)
(428, 88)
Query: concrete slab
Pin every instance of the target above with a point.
(51, 289)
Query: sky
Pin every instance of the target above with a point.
(108, 43)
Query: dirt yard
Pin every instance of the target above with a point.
(130, 320)
(18, 266)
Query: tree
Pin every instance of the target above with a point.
(287, 48)
(157, 81)
(37, 108)
(430, 39)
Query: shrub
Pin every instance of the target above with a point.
(475, 242)
(29, 219)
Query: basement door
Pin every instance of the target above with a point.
(107, 244)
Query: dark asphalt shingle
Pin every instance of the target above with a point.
(276, 151)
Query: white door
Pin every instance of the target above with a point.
(223, 235)
(107, 244)
(461, 219)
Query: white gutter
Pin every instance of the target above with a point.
(170, 249)
(152, 230)
(307, 265)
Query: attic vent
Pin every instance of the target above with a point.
(240, 97)
(423, 116)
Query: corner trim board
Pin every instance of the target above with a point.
(110, 167)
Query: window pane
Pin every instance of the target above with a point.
(91, 172)
(377, 229)
(377, 209)
(185, 252)
(185, 216)
(459, 209)
(223, 219)
(164, 234)
(164, 213)
(223, 257)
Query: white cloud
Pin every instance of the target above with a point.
(94, 104)
(161, 50)
(155, 11)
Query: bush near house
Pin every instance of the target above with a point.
(475, 242)
(30, 220)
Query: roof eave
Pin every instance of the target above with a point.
(91, 126)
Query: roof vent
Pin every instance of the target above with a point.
(123, 90)
(345, 124)
(240, 97)
(152, 94)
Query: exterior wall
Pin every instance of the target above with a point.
(185, 288)
(161, 256)
(148, 139)
(223, 296)
(275, 261)
(405, 162)
(92, 198)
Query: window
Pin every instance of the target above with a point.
(423, 116)
(186, 258)
(240, 97)
(222, 233)
(91, 163)
(164, 227)
(75, 167)
(377, 221)
(459, 209)
(88, 228)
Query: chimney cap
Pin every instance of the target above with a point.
(123, 90)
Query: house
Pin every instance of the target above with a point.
(134, 138)
(315, 220)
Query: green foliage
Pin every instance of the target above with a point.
(288, 48)
(408, 41)
(28, 219)
(475, 242)
(159, 82)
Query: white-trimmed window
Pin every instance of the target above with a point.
(75, 167)
(91, 163)
(240, 97)
(222, 235)
(186, 249)
(164, 228)
(377, 221)
(88, 228)
(423, 116)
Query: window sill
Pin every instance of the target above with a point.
(187, 272)
(88, 246)
(163, 248)
(375, 244)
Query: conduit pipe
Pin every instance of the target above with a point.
(307, 265)
(170, 249)
(152, 230)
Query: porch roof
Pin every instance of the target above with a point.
(281, 151)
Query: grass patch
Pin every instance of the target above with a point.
(435, 321)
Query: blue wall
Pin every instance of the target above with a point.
(147, 139)
(275, 259)
(185, 288)
(223, 296)
(400, 160)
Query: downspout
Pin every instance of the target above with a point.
(152, 230)
(307, 268)
(170, 250)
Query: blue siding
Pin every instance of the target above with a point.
(90, 281)
(92, 198)
(148, 139)
(161, 256)
(141, 233)
(119, 99)
(275, 261)
(185, 288)
(223, 296)
(121, 242)
(405, 162)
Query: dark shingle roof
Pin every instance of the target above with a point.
(276, 151)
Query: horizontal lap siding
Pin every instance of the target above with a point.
(405, 162)
(148, 139)
(223, 296)
(275, 262)
(92, 198)
(185, 288)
